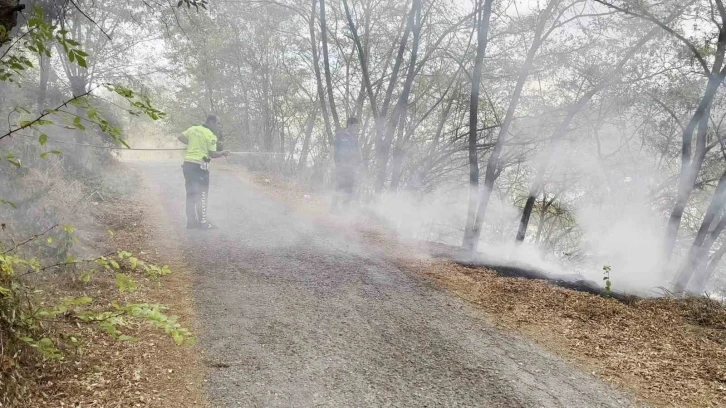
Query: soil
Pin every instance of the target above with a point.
(150, 372)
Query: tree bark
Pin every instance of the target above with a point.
(538, 183)
(326, 66)
(382, 145)
(698, 250)
(482, 40)
(398, 116)
(473, 230)
(691, 168)
(701, 279)
(701, 274)
(318, 76)
(306, 142)
(45, 70)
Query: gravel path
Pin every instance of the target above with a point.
(294, 314)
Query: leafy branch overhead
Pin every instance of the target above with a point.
(193, 3)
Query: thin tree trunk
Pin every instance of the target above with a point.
(698, 250)
(701, 279)
(428, 162)
(266, 118)
(318, 76)
(542, 217)
(306, 142)
(538, 183)
(691, 168)
(398, 115)
(246, 116)
(326, 65)
(493, 165)
(482, 40)
(404, 136)
(45, 70)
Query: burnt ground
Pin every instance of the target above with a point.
(293, 312)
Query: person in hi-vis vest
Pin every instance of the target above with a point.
(201, 144)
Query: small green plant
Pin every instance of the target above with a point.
(37, 326)
(606, 278)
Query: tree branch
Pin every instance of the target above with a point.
(649, 17)
(44, 114)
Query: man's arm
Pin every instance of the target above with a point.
(213, 151)
(216, 155)
(183, 139)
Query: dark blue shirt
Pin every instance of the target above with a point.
(346, 151)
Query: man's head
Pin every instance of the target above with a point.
(352, 125)
(212, 123)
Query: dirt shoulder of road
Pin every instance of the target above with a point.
(150, 372)
(667, 352)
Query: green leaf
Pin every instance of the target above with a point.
(127, 338)
(43, 139)
(125, 283)
(178, 338)
(77, 123)
(56, 152)
(44, 155)
(81, 61)
(6, 202)
(86, 276)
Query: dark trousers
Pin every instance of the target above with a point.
(196, 181)
(345, 181)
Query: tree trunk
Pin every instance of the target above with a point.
(429, 160)
(404, 135)
(471, 240)
(542, 218)
(45, 70)
(690, 169)
(482, 40)
(266, 117)
(398, 115)
(246, 118)
(326, 65)
(382, 144)
(79, 86)
(306, 142)
(538, 183)
(703, 277)
(686, 184)
(699, 251)
(318, 76)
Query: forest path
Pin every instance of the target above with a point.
(295, 313)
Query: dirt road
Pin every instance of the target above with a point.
(295, 314)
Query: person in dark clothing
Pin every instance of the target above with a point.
(347, 157)
(201, 144)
